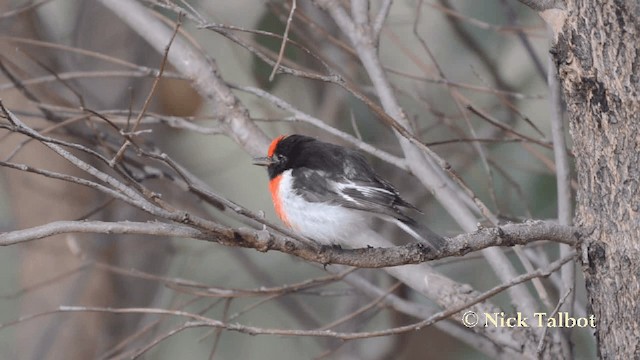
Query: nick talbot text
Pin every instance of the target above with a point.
(540, 319)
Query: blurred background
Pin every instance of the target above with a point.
(492, 54)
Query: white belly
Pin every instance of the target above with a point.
(327, 224)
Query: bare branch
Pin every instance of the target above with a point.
(285, 37)
(414, 253)
(541, 344)
(563, 185)
(378, 21)
(563, 172)
(512, 18)
(98, 227)
(505, 127)
(360, 13)
(251, 330)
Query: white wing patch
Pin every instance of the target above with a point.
(366, 191)
(339, 189)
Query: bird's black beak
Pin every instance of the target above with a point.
(263, 161)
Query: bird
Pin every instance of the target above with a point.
(330, 193)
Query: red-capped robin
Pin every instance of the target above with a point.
(330, 193)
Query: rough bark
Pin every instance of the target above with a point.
(597, 51)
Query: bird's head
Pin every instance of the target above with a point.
(283, 154)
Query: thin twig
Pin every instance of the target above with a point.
(481, 114)
(284, 40)
(251, 330)
(218, 336)
(46, 282)
(541, 343)
(512, 18)
(372, 304)
(152, 91)
(378, 21)
(161, 338)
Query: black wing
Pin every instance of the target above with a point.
(371, 195)
(329, 173)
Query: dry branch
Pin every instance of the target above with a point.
(414, 253)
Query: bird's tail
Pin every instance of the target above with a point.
(421, 233)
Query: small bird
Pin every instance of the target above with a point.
(330, 193)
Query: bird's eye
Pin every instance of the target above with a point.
(281, 158)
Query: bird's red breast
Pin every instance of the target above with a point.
(274, 185)
(274, 189)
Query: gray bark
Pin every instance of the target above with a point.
(597, 50)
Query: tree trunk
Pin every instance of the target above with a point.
(597, 52)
